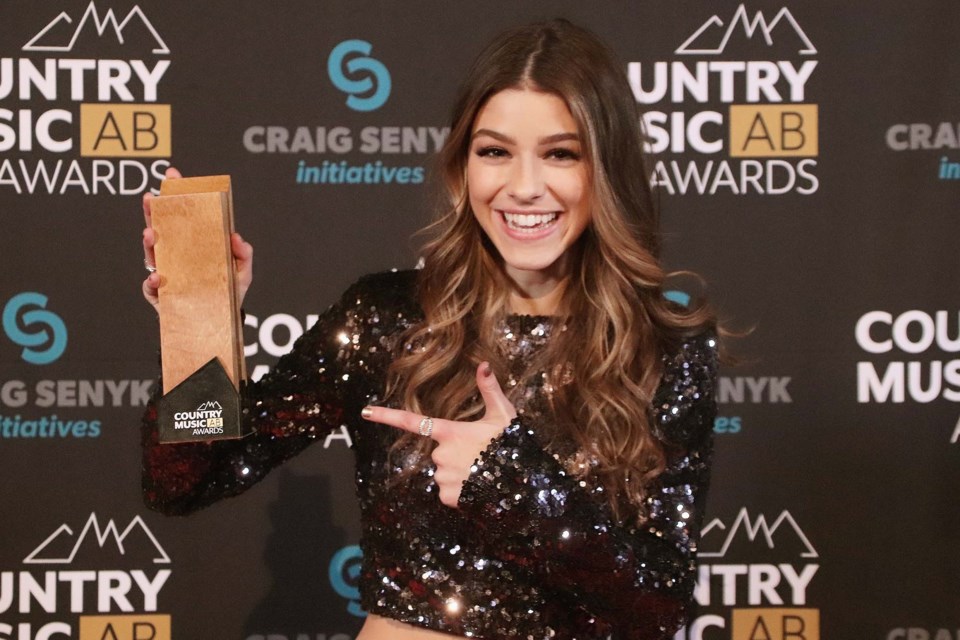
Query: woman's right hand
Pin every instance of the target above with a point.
(242, 253)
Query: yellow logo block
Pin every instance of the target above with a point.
(773, 130)
(775, 624)
(125, 130)
(126, 627)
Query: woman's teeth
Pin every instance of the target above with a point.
(528, 221)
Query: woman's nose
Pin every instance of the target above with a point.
(526, 181)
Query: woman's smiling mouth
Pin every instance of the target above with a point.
(528, 223)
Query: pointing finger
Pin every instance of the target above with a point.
(496, 402)
(405, 420)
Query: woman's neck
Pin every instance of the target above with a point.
(536, 293)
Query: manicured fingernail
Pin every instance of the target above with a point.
(485, 370)
(366, 412)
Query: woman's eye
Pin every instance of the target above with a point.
(563, 154)
(492, 152)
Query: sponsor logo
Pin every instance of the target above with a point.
(753, 390)
(207, 419)
(913, 358)
(344, 575)
(918, 633)
(26, 310)
(102, 583)
(64, 394)
(368, 92)
(738, 390)
(923, 136)
(757, 571)
(99, 117)
(748, 123)
(43, 335)
(342, 155)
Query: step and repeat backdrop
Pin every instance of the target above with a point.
(807, 162)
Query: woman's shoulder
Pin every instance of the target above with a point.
(698, 351)
(685, 402)
(393, 289)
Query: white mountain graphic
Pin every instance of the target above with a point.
(92, 527)
(749, 27)
(213, 405)
(751, 529)
(100, 24)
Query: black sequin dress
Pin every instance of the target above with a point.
(532, 551)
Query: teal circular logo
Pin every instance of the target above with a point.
(353, 71)
(344, 574)
(25, 311)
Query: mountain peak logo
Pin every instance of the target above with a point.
(213, 405)
(756, 527)
(50, 38)
(693, 46)
(103, 535)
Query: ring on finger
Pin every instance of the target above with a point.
(426, 426)
(149, 267)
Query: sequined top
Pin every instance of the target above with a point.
(532, 551)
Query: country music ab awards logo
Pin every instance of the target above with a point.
(70, 123)
(205, 420)
(912, 358)
(755, 572)
(103, 583)
(748, 123)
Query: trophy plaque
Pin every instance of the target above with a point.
(201, 335)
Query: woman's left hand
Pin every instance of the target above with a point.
(459, 444)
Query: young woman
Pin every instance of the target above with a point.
(531, 418)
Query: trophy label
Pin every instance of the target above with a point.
(205, 406)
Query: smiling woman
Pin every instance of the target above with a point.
(529, 189)
(566, 503)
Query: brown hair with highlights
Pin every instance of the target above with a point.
(620, 324)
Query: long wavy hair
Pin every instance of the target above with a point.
(604, 369)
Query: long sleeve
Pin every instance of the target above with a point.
(629, 581)
(334, 369)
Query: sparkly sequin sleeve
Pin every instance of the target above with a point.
(334, 369)
(625, 580)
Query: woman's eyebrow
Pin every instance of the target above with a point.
(560, 137)
(556, 137)
(496, 135)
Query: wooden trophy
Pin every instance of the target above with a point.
(201, 335)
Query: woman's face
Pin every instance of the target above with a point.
(528, 182)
